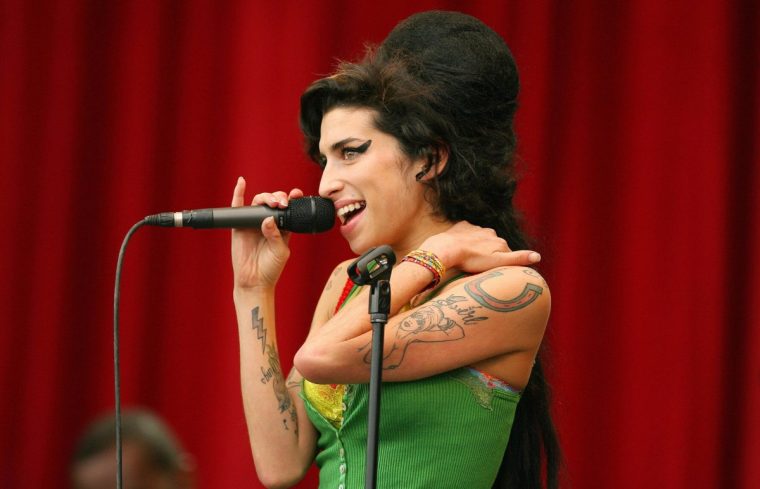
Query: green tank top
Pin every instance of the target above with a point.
(449, 430)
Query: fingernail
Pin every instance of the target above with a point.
(284, 202)
(534, 257)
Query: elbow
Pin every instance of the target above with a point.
(273, 482)
(316, 364)
(280, 479)
(276, 482)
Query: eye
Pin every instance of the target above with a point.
(351, 152)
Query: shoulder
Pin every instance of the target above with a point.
(333, 288)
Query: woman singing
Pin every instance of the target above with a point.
(417, 147)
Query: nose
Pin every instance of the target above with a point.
(329, 184)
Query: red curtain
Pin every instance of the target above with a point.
(639, 138)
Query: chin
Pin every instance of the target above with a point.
(358, 249)
(361, 246)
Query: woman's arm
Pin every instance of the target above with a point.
(281, 436)
(501, 310)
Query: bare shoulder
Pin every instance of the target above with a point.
(338, 277)
(331, 292)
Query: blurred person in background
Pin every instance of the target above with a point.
(152, 457)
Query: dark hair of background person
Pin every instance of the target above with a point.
(444, 83)
(138, 426)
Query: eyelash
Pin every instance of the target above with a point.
(358, 150)
(345, 152)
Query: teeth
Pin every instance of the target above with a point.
(345, 210)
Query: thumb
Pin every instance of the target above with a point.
(277, 239)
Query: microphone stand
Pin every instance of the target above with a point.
(374, 268)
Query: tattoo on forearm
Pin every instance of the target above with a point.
(257, 324)
(283, 398)
(266, 375)
(529, 294)
(284, 401)
(428, 324)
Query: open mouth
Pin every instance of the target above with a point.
(348, 212)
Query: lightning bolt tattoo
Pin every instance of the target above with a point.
(258, 326)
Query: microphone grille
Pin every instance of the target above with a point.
(311, 215)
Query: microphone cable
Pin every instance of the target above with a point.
(117, 381)
(309, 215)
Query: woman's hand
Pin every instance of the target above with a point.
(259, 256)
(474, 249)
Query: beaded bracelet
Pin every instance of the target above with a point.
(430, 261)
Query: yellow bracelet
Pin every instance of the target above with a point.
(431, 262)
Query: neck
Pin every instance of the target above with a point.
(415, 240)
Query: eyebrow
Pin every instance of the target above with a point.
(343, 142)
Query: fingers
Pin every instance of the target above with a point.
(522, 257)
(238, 195)
(277, 199)
(277, 239)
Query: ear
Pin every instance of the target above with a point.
(434, 159)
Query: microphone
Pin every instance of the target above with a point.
(304, 215)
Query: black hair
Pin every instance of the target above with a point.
(444, 83)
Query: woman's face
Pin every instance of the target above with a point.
(377, 198)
